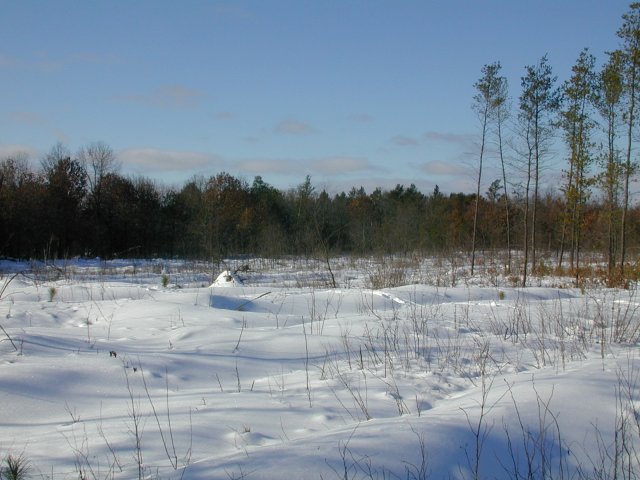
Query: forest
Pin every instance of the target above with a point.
(79, 204)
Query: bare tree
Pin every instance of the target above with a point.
(99, 160)
(100, 163)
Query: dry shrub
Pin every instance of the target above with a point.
(392, 272)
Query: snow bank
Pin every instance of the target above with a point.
(227, 279)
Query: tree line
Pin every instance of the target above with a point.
(82, 206)
(80, 203)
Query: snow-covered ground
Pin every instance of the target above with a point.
(130, 369)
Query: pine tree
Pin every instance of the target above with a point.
(629, 33)
(501, 108)
(577, 123)
(486, 101)
(609, 104)
(538, 102)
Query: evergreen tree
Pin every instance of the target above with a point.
(501, 109)
(577, 124)
(609, 103)
(629, 33)
(66, 183)
(486, 101)
(538, 103)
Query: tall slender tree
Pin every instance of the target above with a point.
(485, 103)
(577, 123)
(501, 115)
(539, 101)
(609, 103)
(629, 33)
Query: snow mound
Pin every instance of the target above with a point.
(227, 279)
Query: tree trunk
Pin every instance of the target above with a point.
(475, 213)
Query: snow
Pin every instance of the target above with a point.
(227, 279)
(277, 375)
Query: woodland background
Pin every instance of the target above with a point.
(79, 204)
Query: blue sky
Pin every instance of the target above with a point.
(354, 92)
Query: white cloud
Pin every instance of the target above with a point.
(152, 160)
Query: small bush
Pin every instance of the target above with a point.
(165, 280)
(53, 291)
(387, 278)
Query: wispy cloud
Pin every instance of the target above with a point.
(168, 96)
(323, 166)
(251, 139)
(18, 151)
(293, 127)
(361, 117)
(462, 140)
(153, 160)
(44, 62)
(224, 115)
(263, 166)
(38, 121)
(443, 168)
(228, 10)
(29, 118)
(9, 61)
(339, 165)
(404, 141)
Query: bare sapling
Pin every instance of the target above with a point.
(115, 461)
(306, 362)
(418, 470)
(136, 428)
(244, 325)
(625, 317)
(480, 427)
(355, 391)
(623, 453)
(84, 460)
(394, 392)
(2, 296)
(542, 453)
